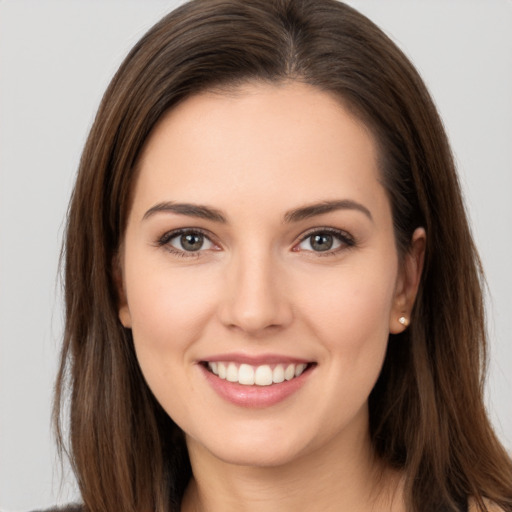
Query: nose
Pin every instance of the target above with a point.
(255, 299)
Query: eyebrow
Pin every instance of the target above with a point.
(295, 215)
(191, 210)
(308, 211)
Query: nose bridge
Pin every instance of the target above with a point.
(256, 297)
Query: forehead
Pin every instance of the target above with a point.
(256, 141)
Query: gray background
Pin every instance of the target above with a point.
(56, 58)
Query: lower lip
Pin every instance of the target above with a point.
(255, 396)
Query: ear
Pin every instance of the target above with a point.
(408, 281)
(122, 302)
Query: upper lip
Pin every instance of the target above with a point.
(255, 360)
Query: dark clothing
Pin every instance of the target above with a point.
(67, 508)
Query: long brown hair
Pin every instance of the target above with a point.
(427, 416)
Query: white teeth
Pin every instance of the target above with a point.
(222, 370)
(289, 373)
(232, 373)
(246, 374)
(262, 375)
(278, 374)
(299, 369)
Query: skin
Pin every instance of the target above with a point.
(257, 286)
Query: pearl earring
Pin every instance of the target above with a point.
(403, 321)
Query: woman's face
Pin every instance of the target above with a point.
(259, 271)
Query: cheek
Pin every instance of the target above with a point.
(351, 322)
(166, 303)
(348, 306)
(350, 318)
(169, 309)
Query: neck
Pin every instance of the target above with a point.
(341, 475)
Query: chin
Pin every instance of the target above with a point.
(255, 456)
(251, 448)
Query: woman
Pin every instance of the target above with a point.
(272, 295)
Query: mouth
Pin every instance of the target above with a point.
(256, 381)
(256, 375)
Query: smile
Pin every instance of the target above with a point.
(261, 375)
(256, 381)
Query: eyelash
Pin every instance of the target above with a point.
(346, 239)
(164, 241)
